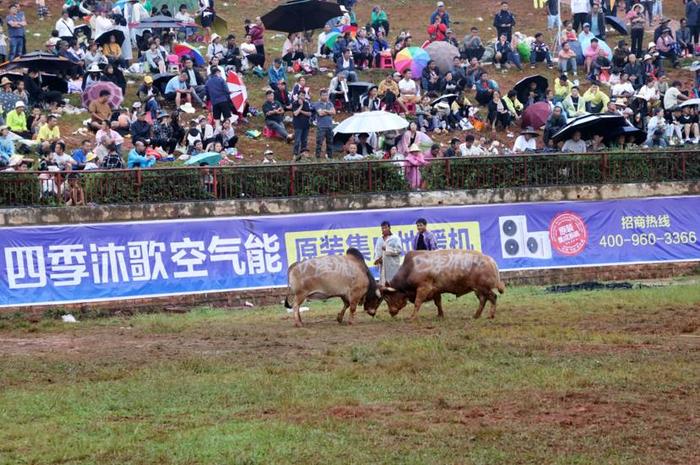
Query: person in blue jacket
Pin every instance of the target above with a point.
(218, 94)
(276, 73)
(138, 157)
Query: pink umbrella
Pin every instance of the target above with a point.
(238, 91)
(93, 93)
(536, 115)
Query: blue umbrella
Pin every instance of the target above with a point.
(207, 158)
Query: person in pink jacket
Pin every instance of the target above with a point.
(413, 163)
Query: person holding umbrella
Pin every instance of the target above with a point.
(100, 111)
(113, 52)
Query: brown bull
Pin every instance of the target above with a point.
(345, 276)
(425, 276)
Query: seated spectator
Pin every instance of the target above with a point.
(408, 91)
(601, 67)
(339, 91)
(163, 134)
(505, 55)
(596, 144)
(178, 90)
(59, 156)
(106, 131)
(485, 88)
(498, 113)
(596, 100)
(689, 122)
(7, 147)
(526, 142)
(453, 149)
(568, 34)
(430, 78)
(141, 129)
(49, 132)
(562, 88)
(380, 46)
(371, 101)
(17, 121)
(515, 107)
(155, 59)
(624, 88)
(379, 20)
(634, 68)
(575, 144)
(620, 54)
(469, 148)
(113, 52)
(656, 139)
(586, 35)
(215, 48)
(283, 96)
(138, 158)
(346, 65)
(100, 110)
(352, 154)
(437, 31)
(591, 54)
(567, 59)
(274, 116)
(276, 73)
(472, 45)
(364, 148)
(667, 47)
(361, 50)
(539, 51)
(300, 87)
(556, 122)
(80, 154)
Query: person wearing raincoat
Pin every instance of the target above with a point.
(387, 254)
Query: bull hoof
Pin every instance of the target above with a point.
(298, 324)
(339, 318)
(476, 317)
(491, 317)
(350, 322)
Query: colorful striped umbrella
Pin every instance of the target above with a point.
(184, 49)
(413, 58)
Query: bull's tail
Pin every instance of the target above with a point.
(286, 302)
(501, 287)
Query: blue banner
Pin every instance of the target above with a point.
(108, 261)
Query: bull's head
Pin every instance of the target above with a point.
(372, 302)
(396, 300)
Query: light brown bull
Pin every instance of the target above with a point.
(426, 275)
(345, 276)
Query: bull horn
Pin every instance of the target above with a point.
(390, 289)
(378, 293)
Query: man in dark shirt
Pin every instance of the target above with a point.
(274, 116)
(424, 240)
(282, 96)
(452, 149)
(504, 22)
(301, 109)
(140, 129)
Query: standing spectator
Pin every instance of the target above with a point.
(473, 47)
(325, 110)
(692, 14)
(257, 35)
(207, 15)
(441, 13)
(553, 18)
(504, 22)
(379, 19)
(424, 240)
(636, 18)
(274, 115)
(684, 39)
(218, 95)
(597, 21)
(579, 10)
(301, 111)
(539, 51)
(65, 26)
(16, 22)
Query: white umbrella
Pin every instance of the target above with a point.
(371, 121)
(691, 102)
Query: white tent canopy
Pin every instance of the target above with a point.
(371, 121)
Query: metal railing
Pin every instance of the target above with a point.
(31, 188)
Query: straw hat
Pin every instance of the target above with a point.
(94, 68)
(529, 130)
(620, 102)
(187, 108)
(148, 79)
(5, 82)
(268, 152)
(647, 57)
(213, 37)
(414, 148)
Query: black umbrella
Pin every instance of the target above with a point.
(617, 24)
(104, 37)
(356, 90)
(301, 15)
(628, 131)
(161, 80)
(40, 61)
(85, 29)
(590, 125)
(449, 98)
(522, 87)
(160, 22)
(54, 82)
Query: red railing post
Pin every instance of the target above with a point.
(527, 181)
(139, 181)
(604, 167)
(448, 174)
(292, 173)
(215, 183)
(683, 155)
(369, 176)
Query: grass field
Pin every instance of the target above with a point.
(607, 377)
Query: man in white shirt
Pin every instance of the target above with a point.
(575, 144)
(623, 88)
(407, 89)
(469, 148)
(65, 26)
(579, 10)
(649, 92)
(526, 142)
(673, 95)
(322, 42)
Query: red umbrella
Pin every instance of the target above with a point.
(536, 115)
(93, 93)
(237, 89)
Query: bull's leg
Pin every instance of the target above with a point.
(482, 303)
(420, 298)
(341, 314)
(492, 311)
(295, 309)
(353, 307)
(438, 304)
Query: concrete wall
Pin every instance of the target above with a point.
(246, 207)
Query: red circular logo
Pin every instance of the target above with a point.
(568, 233)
